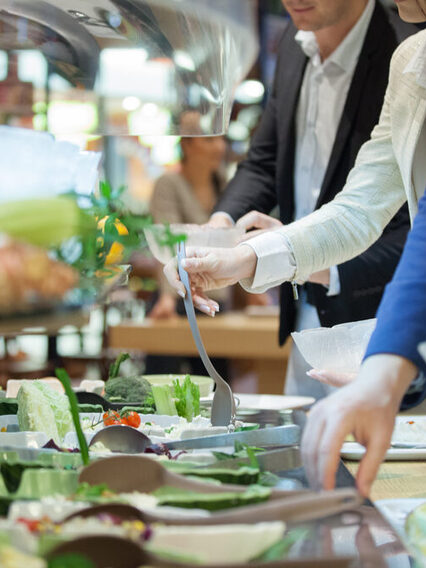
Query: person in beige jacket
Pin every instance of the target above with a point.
(390, 169)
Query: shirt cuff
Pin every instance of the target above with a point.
(223, 213)
(334, 285)
(275, 262)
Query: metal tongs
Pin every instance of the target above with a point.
(223, 405)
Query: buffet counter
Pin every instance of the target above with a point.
(235, 335)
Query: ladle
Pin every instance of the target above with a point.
(126, 474)
(125, 439)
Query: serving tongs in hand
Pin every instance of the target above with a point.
(223, 405)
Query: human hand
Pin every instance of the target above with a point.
(320, 277)
(331, 377)
(164, 308)
(258, 221)
(219, 221)
(211, 268)
(365, 408)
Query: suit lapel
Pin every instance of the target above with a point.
(293, 63)
(371, 44)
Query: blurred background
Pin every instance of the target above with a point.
(139, 149)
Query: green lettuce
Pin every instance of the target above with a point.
(35, 413)
(187, 398)
(60, 405)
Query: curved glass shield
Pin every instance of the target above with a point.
(124, 66)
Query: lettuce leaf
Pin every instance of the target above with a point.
(188, 398)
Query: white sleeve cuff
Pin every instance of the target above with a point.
(275, 262)
(334, 286)
(223, 213)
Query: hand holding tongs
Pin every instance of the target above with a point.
(223, 405)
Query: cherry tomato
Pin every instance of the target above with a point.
(131, 418)
(32, 525)
(111, 417)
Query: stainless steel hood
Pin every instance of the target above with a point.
(149, 66)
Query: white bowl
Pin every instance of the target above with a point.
(197, 235)
(339, 348)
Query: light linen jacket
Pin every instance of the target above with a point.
(380, 182)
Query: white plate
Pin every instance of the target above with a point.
(408, 429)
(396, 511)
(273, 401)
(354, 451)
(7, 420)
(23, 439)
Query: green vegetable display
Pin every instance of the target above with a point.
(128, 389)
(66, 383)
(35, 413)
(60, 405)
(164, 402)
(173, 497)
(244, 475)
(188, 398)
(186, 402)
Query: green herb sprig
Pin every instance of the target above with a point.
(66, 382)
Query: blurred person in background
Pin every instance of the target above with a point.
(330, 80)
(187, 196)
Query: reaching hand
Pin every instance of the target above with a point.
(219, 220)
(365, 408)
(211, 268)
(257, 220)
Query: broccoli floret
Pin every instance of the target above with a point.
(128, 389)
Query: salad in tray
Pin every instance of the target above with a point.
(169, 411)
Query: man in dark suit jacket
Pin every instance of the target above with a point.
(266, 178)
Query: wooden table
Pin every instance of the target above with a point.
(397, 480)
(234, 335)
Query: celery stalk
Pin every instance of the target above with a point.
(164, 402)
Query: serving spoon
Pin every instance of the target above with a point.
(127, 440)
(223, 404)
(126, 474)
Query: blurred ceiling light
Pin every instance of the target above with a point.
(250, 92)
(70, 117)
(238, 131)
(184, 60)
(154, 121)
(131, 103)
(131, 57)
(149, 110)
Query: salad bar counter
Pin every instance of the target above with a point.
(243, 503)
